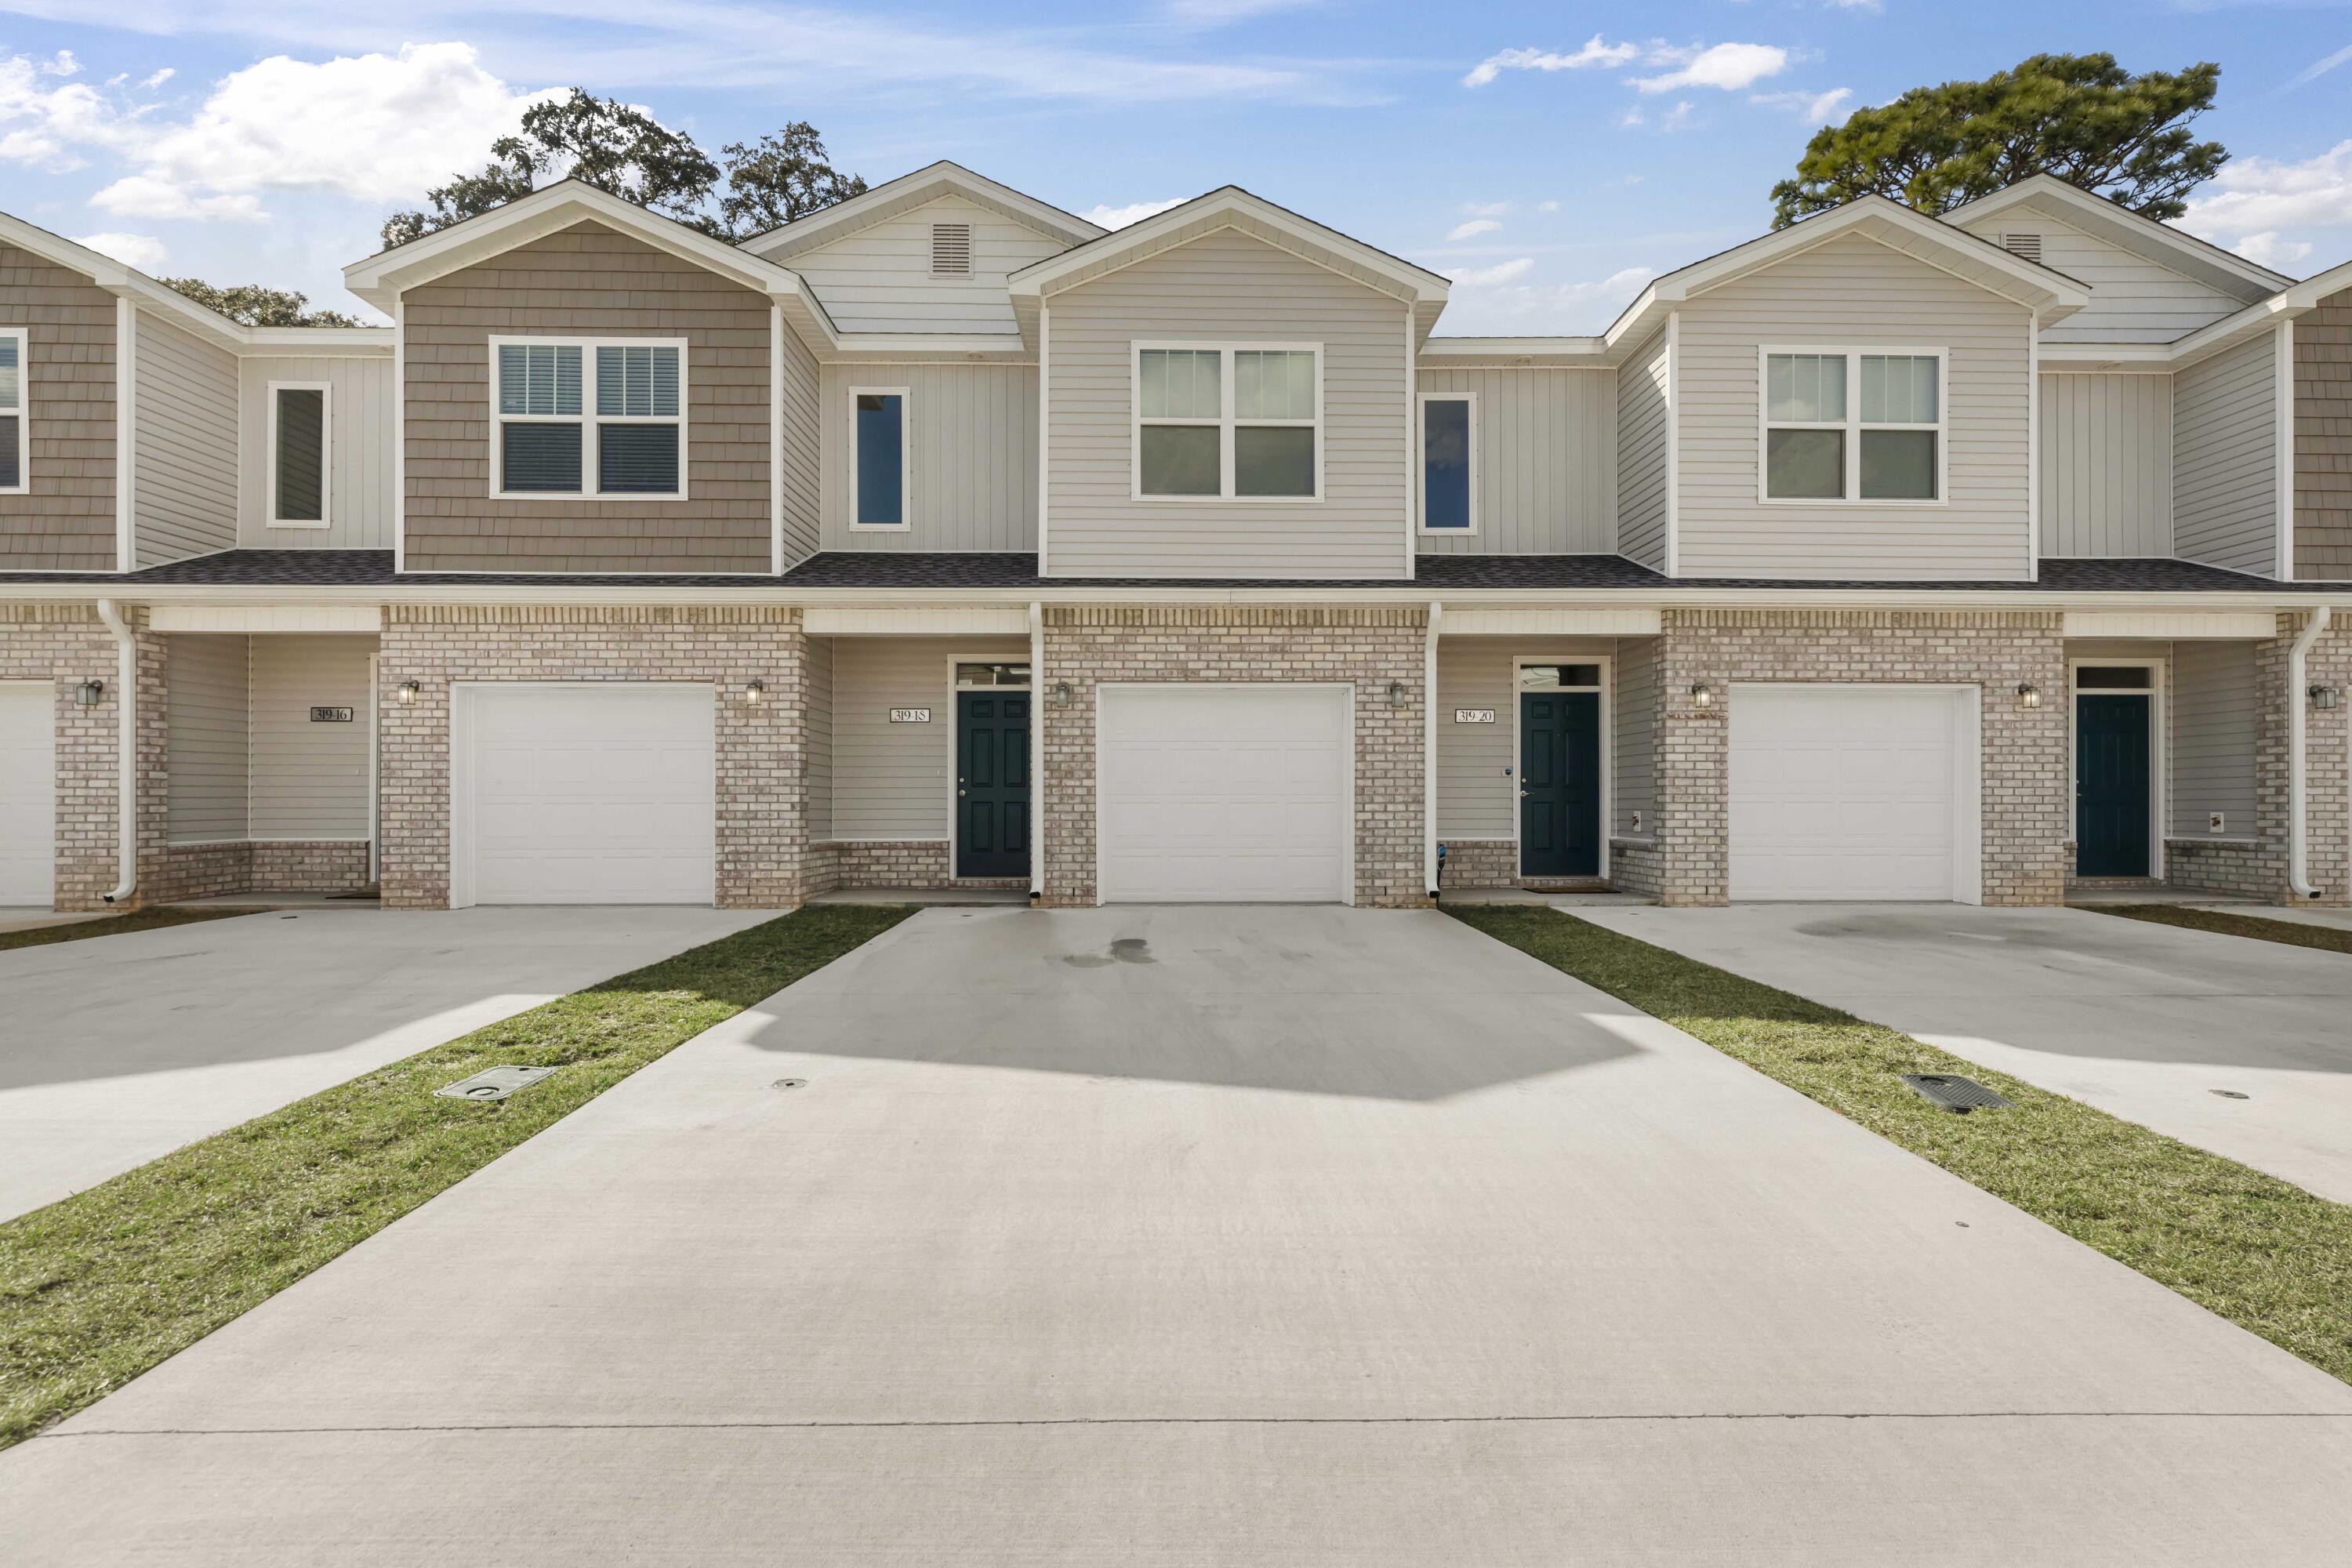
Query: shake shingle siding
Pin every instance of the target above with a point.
(2322, 440)
(587, 280)
(66, 523)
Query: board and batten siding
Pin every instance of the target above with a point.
(2225, 459)
(1226, 287)
(1634, 795)
(2323, 441)
(1642, 414)
(206, 716)
(1477, 796)
(801, 476)
(2107, 465)
(66, 522)
(586, 280)
(878, 279)
(971, 431)
(185, 444)
(2133, 298)
(310, 779)
(2216, 730)
(1547, 470)
(895, 781)
(1852, 293)
(818, 727)
(360, 466)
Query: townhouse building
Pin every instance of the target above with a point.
(943, 538)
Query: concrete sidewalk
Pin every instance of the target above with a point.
(1187, 1236)
(2144, 1021)
(117, 1049)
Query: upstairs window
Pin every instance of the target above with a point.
(1449, 434)
(878, 475)
(951, 250)
(299, 436)
(13, 444)
(1228, 421)
(554, 437)
(1846, 426)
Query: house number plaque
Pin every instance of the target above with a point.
(1474, 715)
(910, 715)
(331, 715)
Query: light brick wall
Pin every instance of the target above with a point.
(762, 832)
(1368, 646)
(65, 644)
(1480, 863)
(2026, 773)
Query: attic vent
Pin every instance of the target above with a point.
(951, 250)
(2028, 246)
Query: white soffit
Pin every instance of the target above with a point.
(913, 620)
(265, 619)
(2238, 623)
(1535, 621)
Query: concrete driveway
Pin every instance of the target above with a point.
(116, 1049)
(2145, 1021)
(1199, 1236)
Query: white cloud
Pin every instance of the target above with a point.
(143, 251)
(50, 127)
(1730, 67)
(1134, 212)
(1594, 53)
(1489, 277)
(2255, 195)
(1485, 209)
(1812, 107)
(62, 63)
(151, 82)
(1854, 4)
(1471, 230)
(2272, 250)
(1547, 206)
(155, 196)
(1219, 13)
(1678, 118)
(1496, 301)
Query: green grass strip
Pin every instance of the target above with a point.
(113, 925)
(2229, 922)
(2263, 1253)
(99, 1287)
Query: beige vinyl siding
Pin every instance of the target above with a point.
(205, 709)
(1852, 293)
(2323, 441)
(892, 781)
(801, 445)
(2107, 465)
(310, 780)
(973, 437)
(2225, 459)
(1633, 752)
(1642, 414)
(878, 278)
(587, 280)
(2133, 298)
(1546, 462)
(2216, 719)
(66, 522)
(1476, 795)
(185, 443)
(819, 767)
(1225, 287)
(360, 466)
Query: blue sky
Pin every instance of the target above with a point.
(1549, 157)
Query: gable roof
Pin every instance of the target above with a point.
(2143, 236)
(909, 191)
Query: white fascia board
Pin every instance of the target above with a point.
(2136, 232)
(1550, 354)
(201, 617)
(862, 348)
(1558, 620)
(909, 190)
(2261, 316)
(2237, 624)
(318, 342)
(914, 620)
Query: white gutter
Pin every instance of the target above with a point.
(1429, 747)
(126, 755)
(1037, 699)
(2298, 872)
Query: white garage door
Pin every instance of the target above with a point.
(584, 795)
(29, 793)
(1853, 792)
(1225, 793)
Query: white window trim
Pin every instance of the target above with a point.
(1224, 423)
(1853, 425)
(22, 411)
(326, 392)
(1421, 463)
(587, 419)
(905, 397)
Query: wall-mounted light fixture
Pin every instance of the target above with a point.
(2029, 695)
(756, 693)
(89, 693)
(1061, 694)
(1700, 696)
(1396, 693)
(2323, 697)
(409, 692)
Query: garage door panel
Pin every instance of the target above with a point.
(28, 828)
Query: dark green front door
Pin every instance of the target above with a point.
(992, 783)
(1559, 784)
(2111, 784)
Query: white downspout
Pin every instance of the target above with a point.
(1429, 747)
(126, 761)
(2298, 873)
(1038, 699)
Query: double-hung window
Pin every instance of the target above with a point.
(1449, 480)
(14, 444)
(580, 417)
(1228, 421)
(300, 423)
(1843, 425)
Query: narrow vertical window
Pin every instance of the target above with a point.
(13, 441)
(299, 434)
(1447, 438)
(879, 496)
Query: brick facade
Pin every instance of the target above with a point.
(763, 826)
(1371, 647)
(65, 644)
(914, 864)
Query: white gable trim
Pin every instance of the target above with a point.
(908, 192)
(2137, 232)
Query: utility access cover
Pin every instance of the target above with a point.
(494, 1083)
(1954, 1093)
